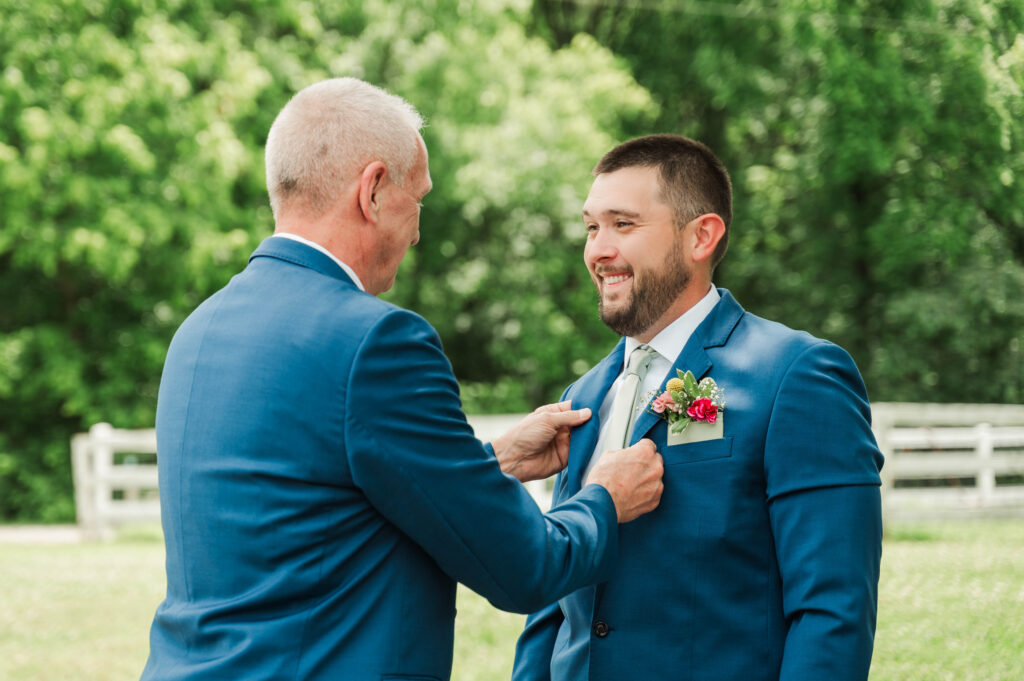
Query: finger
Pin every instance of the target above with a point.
(554, 408)
(569, 418)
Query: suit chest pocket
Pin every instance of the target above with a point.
(692, 452)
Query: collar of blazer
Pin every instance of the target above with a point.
(591, 389)
(302, 255)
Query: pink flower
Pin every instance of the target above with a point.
(703, 409)
(662, 402)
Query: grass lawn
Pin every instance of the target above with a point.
(951, 603)
(951, 607)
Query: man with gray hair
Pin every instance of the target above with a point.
(321, 490)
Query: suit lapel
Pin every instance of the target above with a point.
(714, 331)
(692, 358)
(590, 391)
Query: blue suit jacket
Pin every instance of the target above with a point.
(761, 563)
(322, 491)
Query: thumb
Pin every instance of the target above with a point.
(646, 443)
(569, 418)
(554, 408)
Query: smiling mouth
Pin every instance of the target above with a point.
(615, 279)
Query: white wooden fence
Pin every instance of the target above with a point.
(115, 479)
(115, 474)
(951, 460)
(941, 460)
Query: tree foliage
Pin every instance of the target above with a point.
(131, 136)
(875, 148)
(876, 152)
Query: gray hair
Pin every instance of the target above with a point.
(328, 132)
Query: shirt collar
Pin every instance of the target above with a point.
(671, 340)
(312, 244)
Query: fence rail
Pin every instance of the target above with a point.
(951, 460)
(113, 488)
(942, 460)
(109, 492)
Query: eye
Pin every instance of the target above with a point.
(623, 224)
(591, 227)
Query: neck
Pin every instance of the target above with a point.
(342, 230)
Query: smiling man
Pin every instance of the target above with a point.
(761, 563)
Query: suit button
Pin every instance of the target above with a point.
(601, 629)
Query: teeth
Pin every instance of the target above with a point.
(616, 278)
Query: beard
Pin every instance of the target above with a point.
(652, 293)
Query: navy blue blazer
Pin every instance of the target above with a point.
(321, 490)
(761, 562)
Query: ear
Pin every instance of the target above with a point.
(708, 230)
(371, 182)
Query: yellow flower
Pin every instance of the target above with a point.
(675, 385)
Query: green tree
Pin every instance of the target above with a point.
(875, 149)
(131, 189)
(131, 177)
(514, 132)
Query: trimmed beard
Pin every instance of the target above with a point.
(653, 292)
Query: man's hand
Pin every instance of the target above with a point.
(538, 446)
(632, 477)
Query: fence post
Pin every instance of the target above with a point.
(82, 473)
(986, 481)
(882, 423)
(103, 460)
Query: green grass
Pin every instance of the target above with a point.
(951, 607)
(951, 603)
(77, 612)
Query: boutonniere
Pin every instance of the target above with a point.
(687, 401)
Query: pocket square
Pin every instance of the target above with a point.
(698, 431)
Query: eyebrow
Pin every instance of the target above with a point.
(614, 211)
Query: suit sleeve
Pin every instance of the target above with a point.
(414, 455)
(821, 468)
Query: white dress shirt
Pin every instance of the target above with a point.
(669, 342)
(312, 244)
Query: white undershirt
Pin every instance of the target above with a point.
(668, 345)
(312, 244)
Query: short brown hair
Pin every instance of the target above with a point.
(693, 180)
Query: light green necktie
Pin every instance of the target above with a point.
(621, 421)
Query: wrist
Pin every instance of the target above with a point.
(512, 465)
(501, 453)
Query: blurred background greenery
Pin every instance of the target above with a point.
(875, 148)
